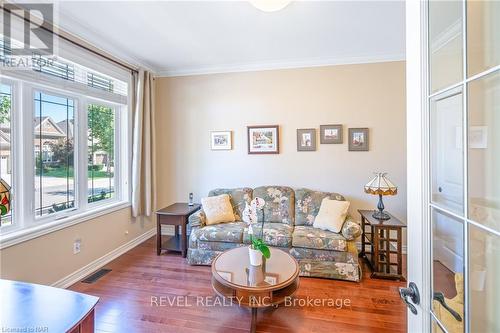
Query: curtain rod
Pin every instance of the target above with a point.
(69, 39)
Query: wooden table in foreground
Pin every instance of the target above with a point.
(28, 307)
(177, 215)
(255, 286)
(385, 239)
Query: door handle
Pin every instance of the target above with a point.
(412, 293)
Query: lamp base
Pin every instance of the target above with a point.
(380, 215)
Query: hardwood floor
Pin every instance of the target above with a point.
(126, 301)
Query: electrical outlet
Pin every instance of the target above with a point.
(77, 246)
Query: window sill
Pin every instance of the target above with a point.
(26, 234)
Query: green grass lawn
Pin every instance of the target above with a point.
(64, 172)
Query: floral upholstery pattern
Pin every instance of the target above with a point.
(201, 257)
(350, 255)
(217, 246)
(239, 197)
(275, 234)
(280, 201)
(308, 202)
(330, 270)
(223, 232)
(329, 264)
(313, 238)
(351, 229)
(288, 217)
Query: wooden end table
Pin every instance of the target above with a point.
(255, 286)
(176, 215)
(384, 238)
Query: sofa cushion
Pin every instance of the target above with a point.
(312, 238)
(275, 234)
(225, 232)
(218, 209)
(280, 203)
(331, 215)
(308, 202)
(239, 196)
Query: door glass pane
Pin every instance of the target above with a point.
(6, 141)
(435, 327)
(483, 35)
(447, 151)
(445, 43)
(484, 272)
(484, 150)
(447, 270)
(101, 152)
(53, 129)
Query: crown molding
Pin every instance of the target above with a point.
(305, 63)
(110, 48)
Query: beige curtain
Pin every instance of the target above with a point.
(143, 152)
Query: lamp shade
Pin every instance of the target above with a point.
(4, 197)
(380, 185)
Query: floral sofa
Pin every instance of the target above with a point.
(288, 218)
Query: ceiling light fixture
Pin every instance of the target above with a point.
(270, 5)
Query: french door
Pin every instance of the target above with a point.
(453, 88)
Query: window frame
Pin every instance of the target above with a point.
(25, 224)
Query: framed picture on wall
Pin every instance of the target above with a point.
(221, 140)
(263, 139)
(331, 134)
(358, 139)
(306, 139)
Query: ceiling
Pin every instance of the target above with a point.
(182, 38)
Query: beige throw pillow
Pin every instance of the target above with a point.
(331, 215)
(218, 209)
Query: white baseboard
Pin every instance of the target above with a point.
(98, 263)
(358, 245)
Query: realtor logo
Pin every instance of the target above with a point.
(37, 36)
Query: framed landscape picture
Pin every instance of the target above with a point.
(358, 139)
(220, 140)
(331, 134)
(306, 139)
(263, 139)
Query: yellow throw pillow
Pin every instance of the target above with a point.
(331, 215)
(218, 209)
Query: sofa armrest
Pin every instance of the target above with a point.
(196, 220)
(351, 229)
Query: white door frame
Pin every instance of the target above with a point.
(417, 129)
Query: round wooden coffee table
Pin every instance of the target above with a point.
(255, 286)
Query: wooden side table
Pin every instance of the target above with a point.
(176, 215)
(384, 239)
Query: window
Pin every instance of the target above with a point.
(54, 163)
(68, 149)
(101, 152)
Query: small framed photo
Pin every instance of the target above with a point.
(358, 139)
(331, 134)
(263, 139)
(221, 140)
(306, 139)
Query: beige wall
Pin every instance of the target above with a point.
(365, 95)
(369, 95)
(49, 258)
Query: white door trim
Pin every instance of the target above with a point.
(417, 127)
